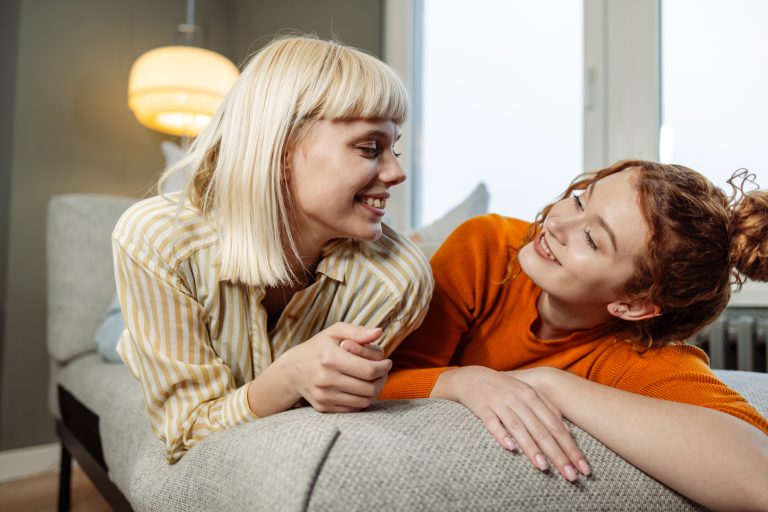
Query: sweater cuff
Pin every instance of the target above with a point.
(405, 384)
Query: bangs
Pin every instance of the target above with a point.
(362, 87)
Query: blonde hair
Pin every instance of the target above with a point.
(237, 161)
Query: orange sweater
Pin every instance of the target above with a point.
(475, 319)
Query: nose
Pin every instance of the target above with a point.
(560, 227)
(391, 172)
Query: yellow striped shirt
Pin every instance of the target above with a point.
(195, 342)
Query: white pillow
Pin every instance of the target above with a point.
(429, 238)
(173, 153)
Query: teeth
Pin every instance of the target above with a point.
(376, 203)
(546, 248)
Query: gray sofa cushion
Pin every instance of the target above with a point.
(80, 274)
(400, 455)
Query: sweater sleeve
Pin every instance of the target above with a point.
(461, 272)
(679, 373)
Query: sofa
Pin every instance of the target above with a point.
(398, 455)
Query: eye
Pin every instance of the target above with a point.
(397, 155)
(589, 239)
(579, 204)
(369, 151)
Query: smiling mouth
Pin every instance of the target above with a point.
(376, 202)
(374, 205)
(545, 250)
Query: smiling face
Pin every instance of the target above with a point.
(586, 250)
(340, 175)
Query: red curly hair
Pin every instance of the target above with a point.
(702, 242)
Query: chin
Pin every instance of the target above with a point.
(527, 258)
(368, 234)
(372, 236)
(531, 265)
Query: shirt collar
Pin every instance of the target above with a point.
(336, 258)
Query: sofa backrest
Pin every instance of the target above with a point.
(80, 270)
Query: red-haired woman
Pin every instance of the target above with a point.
(584, 314)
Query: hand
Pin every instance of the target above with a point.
(368, 351)
(517, 416)
(333, 379)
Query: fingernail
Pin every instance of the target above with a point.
(371, 332)
(584, 467)
(541, 462)
(510, 444)
(570, 473)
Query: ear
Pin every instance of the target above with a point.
(286, 166)
(633, 310)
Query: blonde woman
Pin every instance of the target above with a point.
(241, 293)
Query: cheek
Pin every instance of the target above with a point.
(589, 268)
(585, 262)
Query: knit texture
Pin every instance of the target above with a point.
(482, 312)
(397, 455)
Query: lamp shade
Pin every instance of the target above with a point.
(177, 89)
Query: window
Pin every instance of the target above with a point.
(714, 88)
(501, 102)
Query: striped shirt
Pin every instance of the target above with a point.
(195, 342)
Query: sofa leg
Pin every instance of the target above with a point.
(65, 479)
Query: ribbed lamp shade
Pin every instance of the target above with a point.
(177, 89)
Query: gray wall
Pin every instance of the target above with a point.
(9, 31)
(355, 22)
(71, 131)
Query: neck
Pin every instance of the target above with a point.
(309, 249)
(558, 319)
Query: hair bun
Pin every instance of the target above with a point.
(749, 235)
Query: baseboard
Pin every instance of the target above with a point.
(26, 462)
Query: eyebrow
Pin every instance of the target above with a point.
(380, 133)
(602, 222)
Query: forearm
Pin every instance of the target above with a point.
(272, 391)
(711, 457)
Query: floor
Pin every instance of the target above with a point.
(41, 493)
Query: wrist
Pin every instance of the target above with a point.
(452, 384)
(545, 379)
(273, 390)
(285, 365)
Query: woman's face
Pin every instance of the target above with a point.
(341, 174)
(585, 252)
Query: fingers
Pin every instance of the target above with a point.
(348, 385)
(358, 367)
(371, 352)
(346, 396)
(335, 379)
(499, 432)
(517, 415)
(566, 442)
(542, 439)
(554, 437)
(339, 402)
(357, 333)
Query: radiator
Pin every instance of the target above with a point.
(737, 340)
